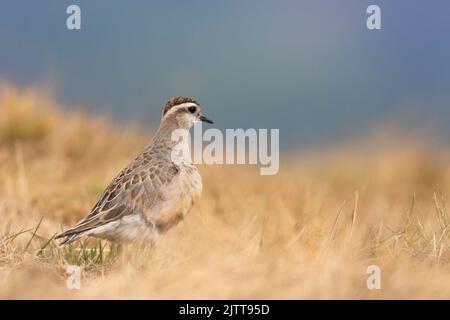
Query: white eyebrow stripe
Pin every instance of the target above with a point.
(180, 106)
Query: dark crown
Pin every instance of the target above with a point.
(176, 101)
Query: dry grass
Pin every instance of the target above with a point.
(309, 232)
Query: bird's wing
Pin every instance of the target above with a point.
(132, 192)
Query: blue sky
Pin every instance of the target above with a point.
(310, 68)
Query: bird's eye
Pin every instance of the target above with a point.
(192, 109)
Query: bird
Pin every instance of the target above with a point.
(154, 192)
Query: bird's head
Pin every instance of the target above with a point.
(184, 112)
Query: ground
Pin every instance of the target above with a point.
(311, 231)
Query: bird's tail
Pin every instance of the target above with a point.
(69, 237)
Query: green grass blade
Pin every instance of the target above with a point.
(34, 233)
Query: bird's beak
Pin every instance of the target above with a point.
(205, 119)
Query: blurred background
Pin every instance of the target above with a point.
(310, 68)
(363, 117)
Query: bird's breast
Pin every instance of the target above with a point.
(182, 193)
(192, 183)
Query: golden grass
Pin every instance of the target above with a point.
(309, 232)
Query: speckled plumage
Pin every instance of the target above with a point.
(152, 194)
